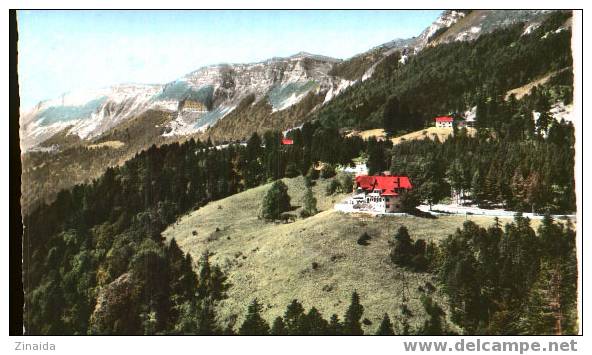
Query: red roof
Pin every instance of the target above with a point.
(444, 119)
(387, 184)
(286, 141)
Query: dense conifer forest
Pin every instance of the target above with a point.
(451, 77)
(97, 250)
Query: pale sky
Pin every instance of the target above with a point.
(65, 51)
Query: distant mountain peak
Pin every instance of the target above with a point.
(303, 55)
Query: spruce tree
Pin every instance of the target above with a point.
(351, 324)
(278, 327)
(386, 326)
(436, 322)
(314, 323)
(402, 251)
(310, 204)
(376, 157)
(206, 318)
(391, 115)
(276, 201)
(335, 326)
(294, 318)
(254, 324)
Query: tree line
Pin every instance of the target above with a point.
(532, 175)
(452, 77)
(95, 261)
(100, 242)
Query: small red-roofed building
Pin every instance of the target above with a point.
(444, 121)
(287, 141)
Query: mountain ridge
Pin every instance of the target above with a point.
(219, 88)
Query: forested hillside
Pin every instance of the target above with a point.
(103, 238)
(451, 77)
(98, 250)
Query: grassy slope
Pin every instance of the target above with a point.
(430, 132)
(273, 262)
(527, 88)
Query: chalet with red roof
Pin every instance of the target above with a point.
(444, 121)
(287, 141)
(379, 193)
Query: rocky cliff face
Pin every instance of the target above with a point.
(283, 82)
(84, 114)
(469, 25)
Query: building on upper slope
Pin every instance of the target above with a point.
(379, 193)
(444, 121)
(287, 141)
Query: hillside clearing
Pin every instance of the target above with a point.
(274, 262)
(108, 144)
(527, 88)
(430, 132)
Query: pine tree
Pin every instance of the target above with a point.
(254, 324)
(335, 327)
(402, 250)
(544, 120)
(346, 182)
(206, 318)
(314, 324)
(351, 324)
(211, 280)
(391, 115)
(386, 326)
(310, 204)
(294, 318)
(183, 280)
(250, 162)
(476, 187)
(534, 190)
(276, 201)
(436, 323)
(278, 327)
(376, 157)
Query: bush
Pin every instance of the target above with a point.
(402, 251)
(292, 170)
(409, 201)
(419, 263)
(332, 187)
(310, 204)
(407, 253)
(346, 182)
(313, 173)
(363, 239)
(328, 171)
(288, 217)
(276, 201)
